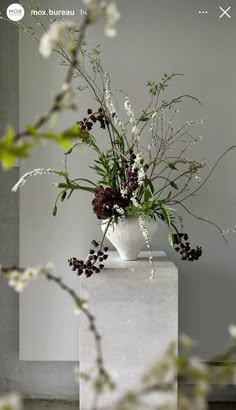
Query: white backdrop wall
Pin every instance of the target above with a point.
(153, 37)
(32, 379)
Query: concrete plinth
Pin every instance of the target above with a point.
(136, 318)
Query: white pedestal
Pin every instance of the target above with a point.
(136, 318)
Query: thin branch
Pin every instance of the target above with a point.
(199, 217)
(68, 79)
(211, 172)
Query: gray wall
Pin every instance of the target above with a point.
(34, 379)
(51, 379)
(154, 37)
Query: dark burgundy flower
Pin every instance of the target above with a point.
(106, 201)
(132, 180)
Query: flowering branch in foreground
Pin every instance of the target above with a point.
(13, 145)
(162, 377)
(19, 279)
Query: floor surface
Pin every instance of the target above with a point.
(64, 405)
(222, 406)
(50, 405)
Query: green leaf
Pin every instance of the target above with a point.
(8, 161)
(173, 184)
(75, 132)
(31, 130)
(54, 211)
(171, 165)
(165, 214)
(167, 219)
(10, 149)
(147, 195)
(72, 186)
(8, 138)
(168, 196)
(171, 238)
(149, 183)
(63, 196)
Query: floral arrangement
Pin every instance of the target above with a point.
(143, 173)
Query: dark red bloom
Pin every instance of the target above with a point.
(132, 180)
(105, 202)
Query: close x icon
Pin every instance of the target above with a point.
(225, 12)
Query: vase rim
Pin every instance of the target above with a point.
(131, 217)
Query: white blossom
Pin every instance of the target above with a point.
(112, 15)
(147, 239)
(141, 176)
(110, 105)
(130, 112)
(226, 232)
(110, 31)
(139, 160)
(35, 172)
(19, 280)
(77, 310)
(56, 34)
(107, 11)
(108, 98)
(151, 144)
(134, 200)
(124, 192)
(202, 387)
(133, 122)
(186, 341)
(232, 331)
(68, 95)
(120, 211)
(198, 178)
(197, 122)
(144, 230)
(11, 401)
(197, 364)
(90, 3)
(135, 129)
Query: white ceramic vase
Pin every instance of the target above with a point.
(127, 237)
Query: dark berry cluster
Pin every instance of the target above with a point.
(182, 246)
(88, 122)
(132, 158)
(92, 264)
